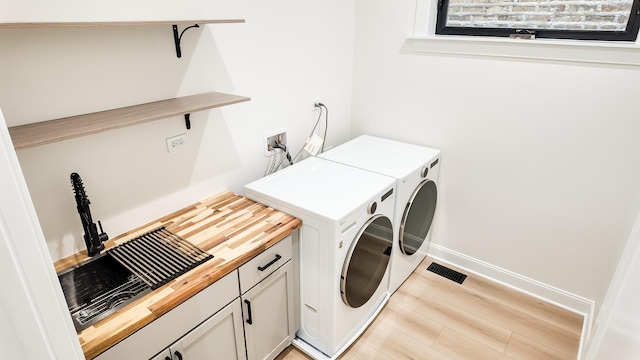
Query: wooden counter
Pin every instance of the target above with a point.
(231, 227)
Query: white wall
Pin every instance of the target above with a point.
(539, 159)
(285, 55)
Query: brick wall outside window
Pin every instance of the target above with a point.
(609, 15)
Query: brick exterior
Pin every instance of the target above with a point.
(541, 14)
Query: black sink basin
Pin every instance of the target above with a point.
(98, 288)
(112, 280)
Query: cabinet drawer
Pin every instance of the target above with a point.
(264, 264)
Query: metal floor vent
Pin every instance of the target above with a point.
(447, 273)
(159, 256)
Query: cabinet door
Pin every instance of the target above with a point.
(268, 314)
(219, 338)
(162, 332)
(165, 355)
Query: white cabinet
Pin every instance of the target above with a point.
(269, 321)
(219, 337)
(266, 307)
(267, 300)
(210, 324)
(162, 332)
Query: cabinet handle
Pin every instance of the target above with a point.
(250, 319)
(178, 355)
(263, 268)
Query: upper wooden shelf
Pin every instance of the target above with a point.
(46, 132)
(117, 23)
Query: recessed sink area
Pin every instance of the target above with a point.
(101, 286)
(98, 288)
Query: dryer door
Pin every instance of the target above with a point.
(417, 217)
(367, 261)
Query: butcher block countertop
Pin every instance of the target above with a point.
(230, 227)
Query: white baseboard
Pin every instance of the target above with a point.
(518, 282)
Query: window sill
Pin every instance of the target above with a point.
(598, 52)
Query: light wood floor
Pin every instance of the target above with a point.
(431, 317)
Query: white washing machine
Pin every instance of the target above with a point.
(416, 170)
(344, 247)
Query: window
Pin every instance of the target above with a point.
(559, 19)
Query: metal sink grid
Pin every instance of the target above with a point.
(159, 256)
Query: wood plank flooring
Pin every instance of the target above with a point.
(431, 317)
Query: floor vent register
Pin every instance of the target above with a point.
(447, 273)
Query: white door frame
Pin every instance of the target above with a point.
(32, 305)
(616, 331)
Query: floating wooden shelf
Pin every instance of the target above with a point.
(30, 135)
(116, 23)
(174, 23)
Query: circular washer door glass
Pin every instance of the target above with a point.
(417, 217)
(367, 261)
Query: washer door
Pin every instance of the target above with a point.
(367, 261)
(417, 217)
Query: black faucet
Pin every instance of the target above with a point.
(92, 238)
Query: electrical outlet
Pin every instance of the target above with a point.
(177, 142)
(270, 140)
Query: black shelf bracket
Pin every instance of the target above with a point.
(187, 121)
(178, 36)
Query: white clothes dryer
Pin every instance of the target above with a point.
(344, 247)
(416, 170)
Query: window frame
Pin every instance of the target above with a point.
(629, 34)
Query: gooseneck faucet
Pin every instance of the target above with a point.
(92, 239)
